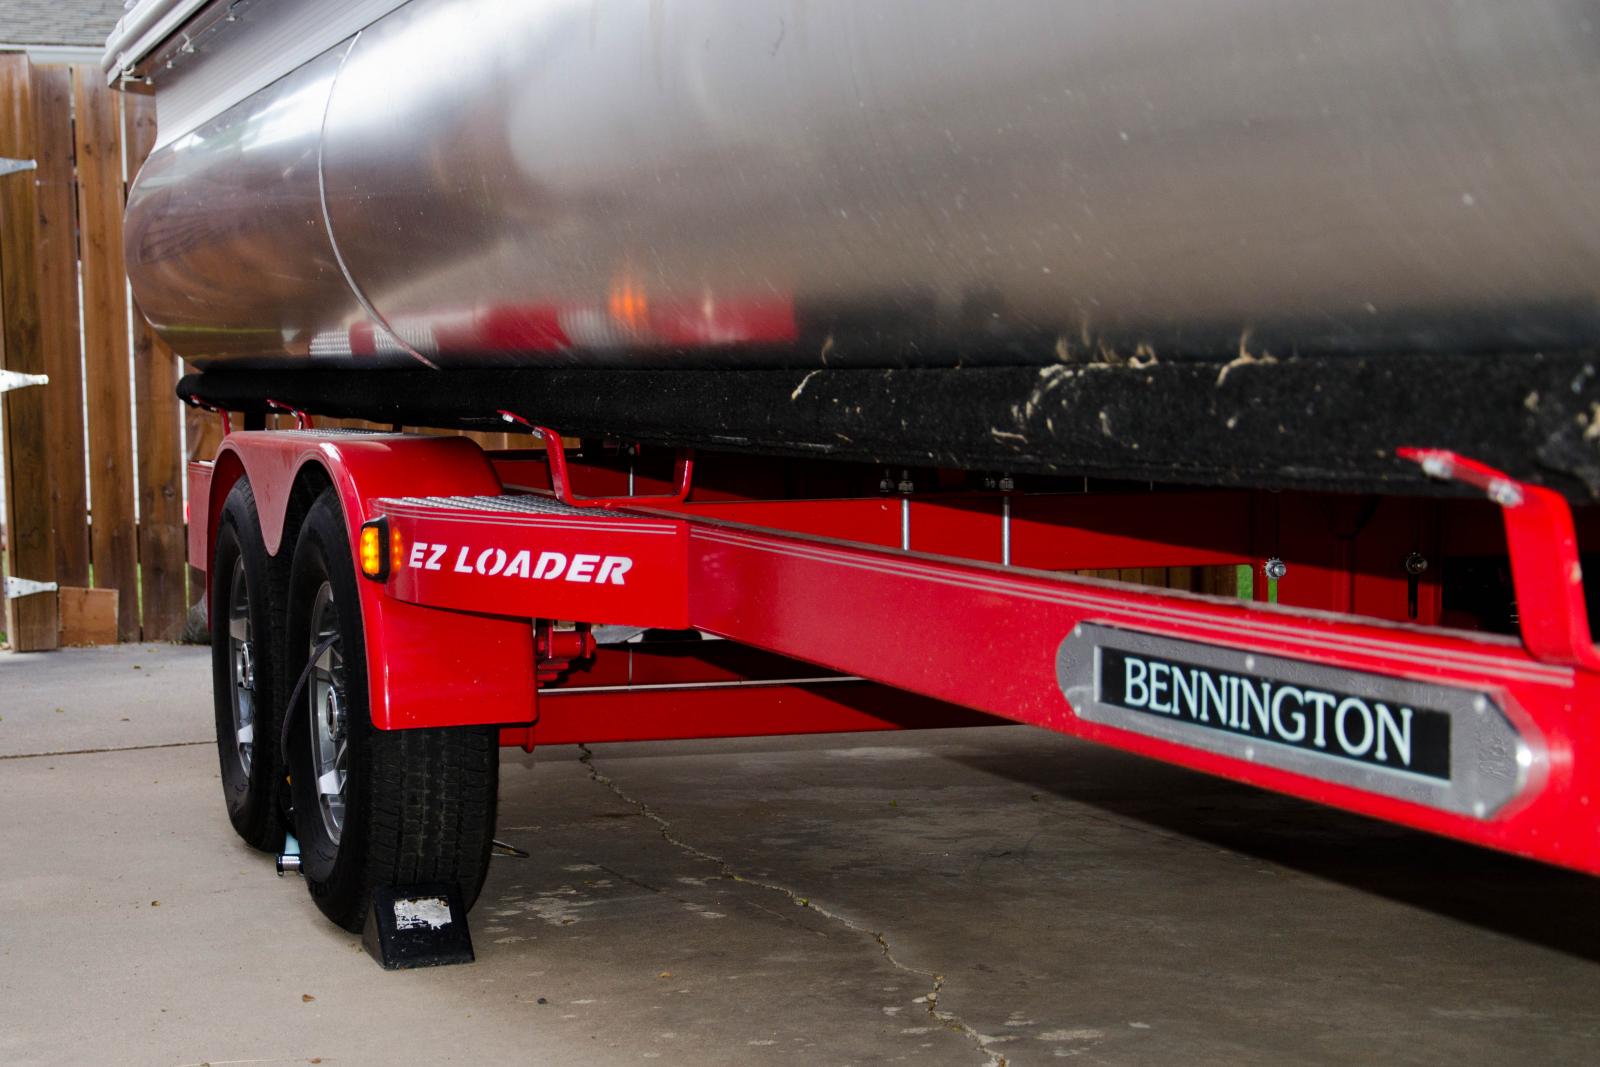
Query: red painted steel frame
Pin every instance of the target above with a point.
(1544, 557)
(665, 713)
(987, 637)
(560, 483)
(973, 634)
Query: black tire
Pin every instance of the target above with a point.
(416, 806)
(247, 608)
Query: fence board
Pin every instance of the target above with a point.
(98, 138)
(32, 623)
(88, 617)
(162, 544)
(203, 433)
(203, 429)
(30, 535)
(57, 252)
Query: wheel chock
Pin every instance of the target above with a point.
(417, 926)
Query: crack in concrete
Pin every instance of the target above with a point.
(109, 748)
(947, 1019)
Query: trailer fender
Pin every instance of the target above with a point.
(483, 673)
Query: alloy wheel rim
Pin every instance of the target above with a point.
(328, 714)
(242, 667)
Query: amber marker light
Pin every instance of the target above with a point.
(373, 542)
(397, 551)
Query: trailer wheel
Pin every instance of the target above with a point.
(243, 676)
(372, 807)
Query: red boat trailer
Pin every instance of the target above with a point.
(496, 594)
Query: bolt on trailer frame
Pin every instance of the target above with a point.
(1355, 665)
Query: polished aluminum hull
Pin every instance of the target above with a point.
(900, 182)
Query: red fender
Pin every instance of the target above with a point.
(417, 657)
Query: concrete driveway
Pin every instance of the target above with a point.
(953, 897)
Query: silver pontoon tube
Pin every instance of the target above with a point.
(897, 181)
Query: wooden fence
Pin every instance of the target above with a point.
(61, 236)
(93, 460)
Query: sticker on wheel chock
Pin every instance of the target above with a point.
(1444, 747)
(414, 913)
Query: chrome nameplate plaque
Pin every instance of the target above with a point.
(1445, 747)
